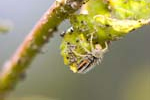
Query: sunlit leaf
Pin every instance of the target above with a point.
(108, 20)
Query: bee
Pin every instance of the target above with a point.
(91, 58)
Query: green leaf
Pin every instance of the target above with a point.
(131, 9)
(107, 20)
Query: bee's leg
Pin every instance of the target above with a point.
(86, 50)
(78, 54)
(71, 49)
(91, 42)
(106, 48)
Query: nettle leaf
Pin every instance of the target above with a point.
(104, 22)
(94, 7)
(131, 9)
(118, 27)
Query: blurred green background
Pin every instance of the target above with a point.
(123, 75)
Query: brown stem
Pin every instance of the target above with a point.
(15, 68)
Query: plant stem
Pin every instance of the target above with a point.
(15, 68)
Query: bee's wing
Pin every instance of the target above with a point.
(86, 65)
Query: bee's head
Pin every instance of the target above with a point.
(97, 52)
